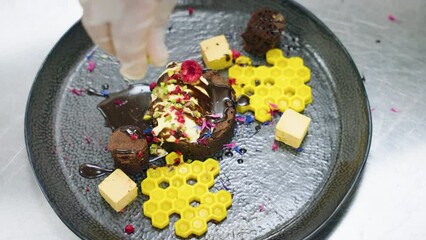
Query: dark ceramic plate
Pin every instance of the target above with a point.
(298, 190)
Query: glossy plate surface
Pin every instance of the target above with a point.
(276, 194)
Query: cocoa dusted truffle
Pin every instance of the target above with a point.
(129, 148)
(263, 31)
(192, 111)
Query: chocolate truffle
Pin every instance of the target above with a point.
(263, 31)
(129, 148)
(196, 116)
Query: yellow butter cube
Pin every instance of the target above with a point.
(118, 190)
(292, 127)
(216, 53)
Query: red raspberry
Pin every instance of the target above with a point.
(191, 71)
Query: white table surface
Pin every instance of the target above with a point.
(390, 202)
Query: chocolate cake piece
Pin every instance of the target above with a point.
(195, 118)
(129, 148)
(263, 31)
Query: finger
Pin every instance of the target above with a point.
(129, 37)
(96, 18)
(157, 50)
(101, 36)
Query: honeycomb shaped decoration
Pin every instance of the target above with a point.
(278, 87)
(177, 188)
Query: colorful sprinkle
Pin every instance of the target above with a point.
(91, 66)
(235, 54)
(394, 110)
(299, 149)
(134, 136)
(219, 115)
(90, 55)
(105, 92)
(232, 81)
(88, 140)
(273, 106)
(78, 92)
(392, 18)
(129, 229)
(274, 146)
(238, 150)
(262, 207)
(140, 154)
(240, 119)
(152, 86)
(119, 102)
(230, 145)
(249, 119)
(190, 11)
(223, 185)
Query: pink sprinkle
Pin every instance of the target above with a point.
(88, 140)
(152, 85)
(219, 115)
(203, 125)
(87, 189)
(92, 65)
(391, 18)
(240, 119)
(232, 81)
(273, 106)
(210, 125)
(262, 207)
(119, 102)
(106, 148)
(202, 141)
(78, 92)
(235, 54)
(230, 145)
(394, 110)
(190, 11)
(274, 146)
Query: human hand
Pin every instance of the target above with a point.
(132, 30)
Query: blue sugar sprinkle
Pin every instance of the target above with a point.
(249, 119)
(105, 93)
(147, 131)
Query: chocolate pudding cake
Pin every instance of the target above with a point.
(129, 148)
(263, 31)
(192, 112)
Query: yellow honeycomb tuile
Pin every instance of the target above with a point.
(276, 87)
(176, 193)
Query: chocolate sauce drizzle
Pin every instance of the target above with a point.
(126, 107)
(90, 170)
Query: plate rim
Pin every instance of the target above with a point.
(355, 181)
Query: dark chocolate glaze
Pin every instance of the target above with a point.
(221, 96)
(89, 170)
(126, 107)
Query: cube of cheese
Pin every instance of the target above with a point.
(292, 127)
(216, 53)
(118, 190)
